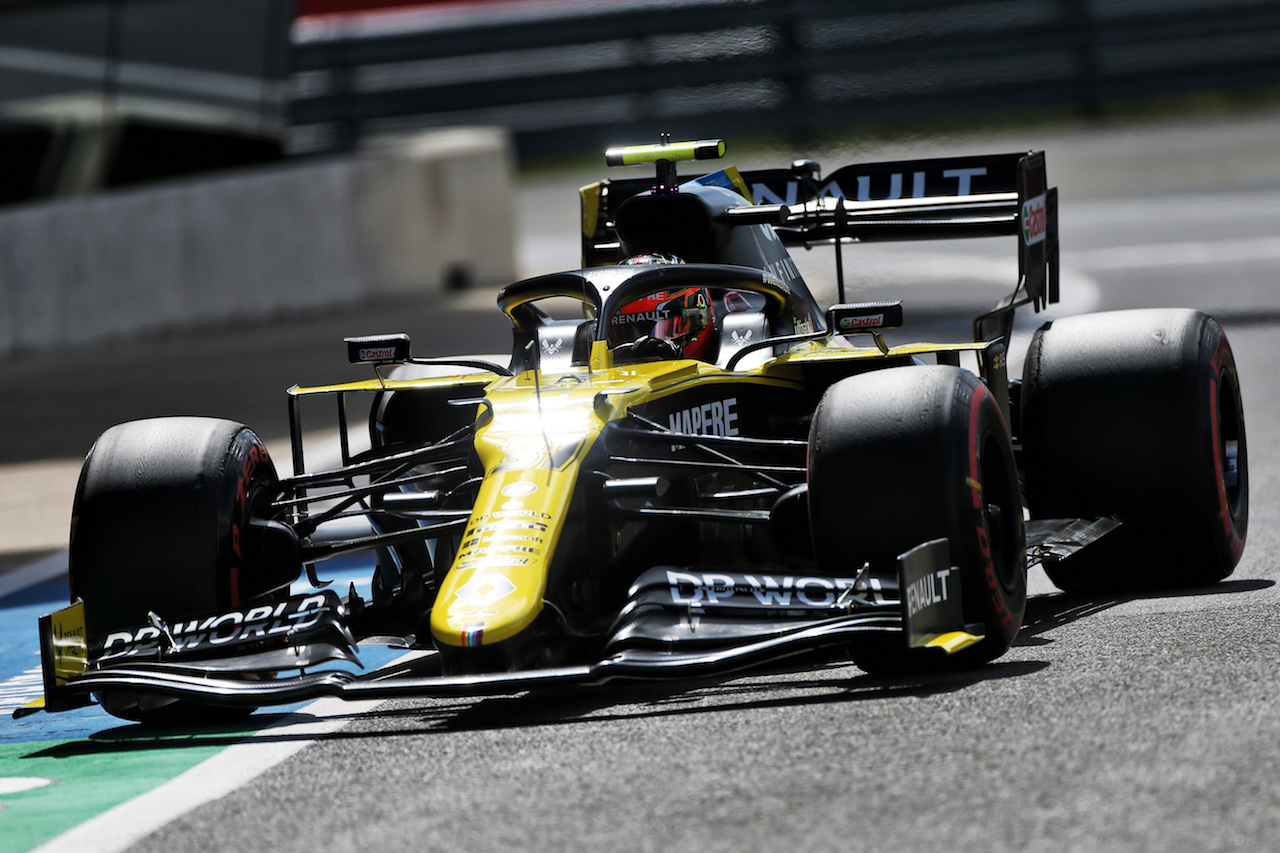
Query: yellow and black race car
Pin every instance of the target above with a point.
(684, 466)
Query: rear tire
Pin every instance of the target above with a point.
(160, 523)
(1137, 414)
(901, 456)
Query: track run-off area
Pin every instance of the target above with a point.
(1115, 723)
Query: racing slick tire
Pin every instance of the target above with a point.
(159, 519)
(1137, 415)
(905, 455)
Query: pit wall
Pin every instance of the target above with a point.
(420, 214)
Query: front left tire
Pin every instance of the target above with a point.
(905, 455)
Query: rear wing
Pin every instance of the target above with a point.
(931, 199)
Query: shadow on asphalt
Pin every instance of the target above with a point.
(685, 698)
(831, 682)
(1048, 612)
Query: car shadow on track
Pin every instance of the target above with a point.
(817, 683)
(809, 681)
(1045, 613)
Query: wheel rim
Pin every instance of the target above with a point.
(1001, 514)
(1232, 459)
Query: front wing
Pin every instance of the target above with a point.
(929, 616)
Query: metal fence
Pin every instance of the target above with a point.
(583, 75)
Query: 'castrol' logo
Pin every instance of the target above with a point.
(873, 321)
(377, 353)
(1033, 220)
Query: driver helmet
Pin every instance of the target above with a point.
(684, 318)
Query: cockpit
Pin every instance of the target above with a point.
(657, 311)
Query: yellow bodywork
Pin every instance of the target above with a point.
(532, 434)
(531, 440)
(530, 444)
(950, 642)
(64, 655)
(70, 643)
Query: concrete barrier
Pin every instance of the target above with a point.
(423, 213)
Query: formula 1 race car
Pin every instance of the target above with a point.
(685, 466)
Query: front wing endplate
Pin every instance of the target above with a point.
(931, 607)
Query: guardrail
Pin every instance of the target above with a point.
(585, 77)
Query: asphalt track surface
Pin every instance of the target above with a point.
(1129, 723)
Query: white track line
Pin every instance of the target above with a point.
(215, 777)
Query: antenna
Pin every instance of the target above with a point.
(808, 173)
(666, 169)
(840, 215)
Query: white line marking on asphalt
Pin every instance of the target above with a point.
(211, 779)
(18, 784)
(22, 688)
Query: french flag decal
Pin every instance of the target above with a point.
(473, 635)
